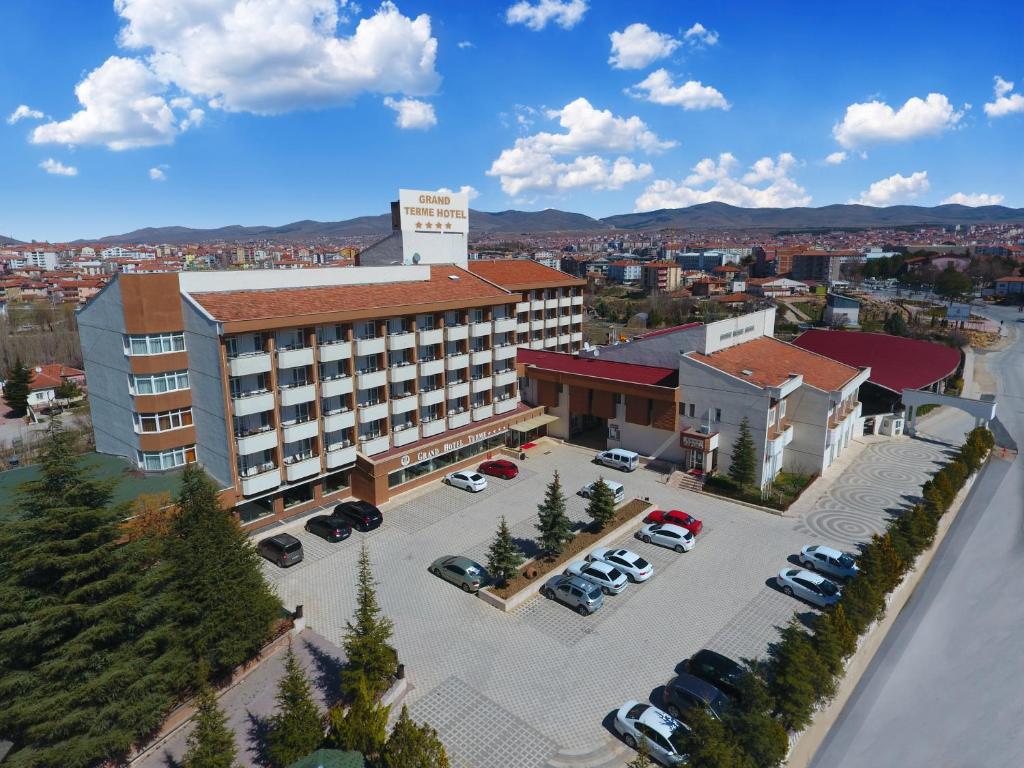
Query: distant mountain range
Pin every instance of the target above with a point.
(704, 216)
(9, 241)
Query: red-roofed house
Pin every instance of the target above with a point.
(46, 379)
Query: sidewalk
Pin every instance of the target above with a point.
(808, 501)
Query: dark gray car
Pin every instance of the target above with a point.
(282, 550)
(574, 592)
(466, 574)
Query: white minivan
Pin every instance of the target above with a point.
(619, 458)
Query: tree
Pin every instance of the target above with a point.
(834, 638)
(297, 728)
(760, 736)
(17, 388)
(708, 743)
(863, 603)
(363, 726)
(952, 283)
(643, 756)
(413, 746)
(601, 506)
(503, 556)
(68, 390)
(553, 524)
(795, 677)
(224, 607)
(371, 660)
(744, 459)
(895, 325)
(211, 744)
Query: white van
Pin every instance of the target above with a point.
(619, 458)
(617, 489)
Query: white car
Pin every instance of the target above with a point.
(636, 722)
(809, 586)
(630, 563)
(467, 481)
(609, 578)
(667, 535)
(815, 557)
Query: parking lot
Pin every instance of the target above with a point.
(539, 684)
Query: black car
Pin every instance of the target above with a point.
(362, 514)
(282, 550)
(719, 670)
(329, 527)
(685, 691)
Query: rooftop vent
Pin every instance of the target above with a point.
(453, 277)
(747, 372)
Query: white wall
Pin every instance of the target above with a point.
(647, 441)
(266, 279)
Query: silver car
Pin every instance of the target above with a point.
(667, 535)
(574, 592)
(815, 557)
(464, 573)
(809, 586)
(664, 735)
(630, 563)
(609, 578)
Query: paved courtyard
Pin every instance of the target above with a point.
(538, 685)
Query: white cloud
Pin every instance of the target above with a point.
(465, 44)
(58, 168)
(895, 189)
(973, 199)
(638, 45)
(123, 107)
(412, 113)
(157, 173)
(767, 184)
(588, 128)
(876, 121)
(659, 88)
(565, 13)
(836, 158)
(470, 192)
(698, 34)
(24, 112)
(1006, 102)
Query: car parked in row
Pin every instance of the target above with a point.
(283, 550)
(574, 592)
(502, 468)
(721, 671)
(361, 514)
(667, 535)
(332, 528)
(464, 573)
(619, 458)
(628, 562)
(617, 489)
(677, 517)
(609, 578)
(685, 691)
(664, 734)
(809, 586)
(815, 557)
(467, 480)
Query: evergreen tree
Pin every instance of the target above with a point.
(224, 607)
(643, 756)
(834, 638)
(17, 388)
(601, 506)
(363, 726)
(413, 746)
(863, 603)
(880, 564)
(211, 744)
(68, 390)
(762, 738)
(297, 728)
(895, 325)
(795, 677)
(553, 524)
(742, 470)
(371, 661)
(708, 743)
(503, 556)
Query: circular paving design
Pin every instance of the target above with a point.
(842, 526)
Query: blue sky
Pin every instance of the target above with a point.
(207, 113)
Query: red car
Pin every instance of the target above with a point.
(499, 468)
(677, 517)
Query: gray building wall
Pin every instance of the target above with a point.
(807, 410)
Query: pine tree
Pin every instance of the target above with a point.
(371, 661)
(708, 743)
(413, 746)
(834, 638)
(643, 756)
(553, 524)
(744, 459)
(211, 744)
(761, 737)
(363, 726)
(863, 603)
(503, 556)
(795, 677)
(224, 607)
(297, 728)
(601, 507)
(895, 325)
(17, 388)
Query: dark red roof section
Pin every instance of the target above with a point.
(597, 368)
(896, 363)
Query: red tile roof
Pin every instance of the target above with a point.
(770, 362)
(595, 367)
(896, 363)
(52, 376)
(516, 274)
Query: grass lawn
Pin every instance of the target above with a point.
(812, 309)
(786, 489)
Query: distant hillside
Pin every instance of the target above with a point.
(9, 241)
(704, 216)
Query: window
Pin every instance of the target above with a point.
(154, 344)
(691, 410)
(782, 409)
(718, 414)
(366, 330)
(157, 383)
(163, 422)
(682, 409)
(425, 322)
(476, 315)
(154, 461)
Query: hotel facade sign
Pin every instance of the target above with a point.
(434, 212)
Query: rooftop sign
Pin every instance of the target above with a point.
(434, 212)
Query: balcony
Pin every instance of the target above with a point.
(504, 324)
(371, 379)
(404, 404)
(405, 340)
(536, 325)
(336, 421)
(505, 377)
(301, 468)
(368, 413)
(374, 346)
(335, 387)
(302, 393)
(457, 420)
(405, 435)
(564, 320)
(576, 337)
(247, 365)
(482, 412)
(334, 350)
(505, 352)
(779, 436)
(483, 328)
(506, 405)
(483, 384)
(294, 358)
(340, 456)
(550, 303)
(260, 479)
(300, 430)
(253, 402)
(481, 357)
(577, 320)
(456, 362)
(551, 341)
(458, 390)
(523, 327)
(431, 428)
(522, 306)
(456, 332)
(536, 304)
(432, 397)
(577, 301)
(564, 338)
(431, 367)
(374, 445)
(404, 372)
(537, 344)
(257, 441)
(564, 301)
(431, 336)
(551, 322)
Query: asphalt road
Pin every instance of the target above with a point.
(947, 686)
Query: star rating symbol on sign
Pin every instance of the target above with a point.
(419, 225)
(447, 225)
